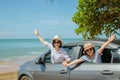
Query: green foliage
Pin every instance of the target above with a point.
(97, 17)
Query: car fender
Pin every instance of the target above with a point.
(27, 73)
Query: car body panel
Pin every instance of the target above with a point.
(41, 67)
(92, 71)
(52, 72)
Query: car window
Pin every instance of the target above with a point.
(116, 57)
(110, 56)
(48, 57)
(69, 49)
(106, 56)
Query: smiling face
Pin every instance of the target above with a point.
(89, 49)
(57, 43)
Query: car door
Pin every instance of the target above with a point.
(89, 71)
(53, 71)
(57, 71)
(101, 71)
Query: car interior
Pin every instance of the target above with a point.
(76, 54)
(106, 56)
(77, 51)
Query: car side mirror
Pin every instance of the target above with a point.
(40, 60)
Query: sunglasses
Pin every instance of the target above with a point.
(90, 49)
(56, 42)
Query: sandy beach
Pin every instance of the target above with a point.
(8, 75)
(9, 70)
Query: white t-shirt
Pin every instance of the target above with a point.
(57, 56)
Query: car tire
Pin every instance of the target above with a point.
(25, 78)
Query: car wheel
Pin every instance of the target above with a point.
(25, 78)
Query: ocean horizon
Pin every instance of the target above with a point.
(13, 49)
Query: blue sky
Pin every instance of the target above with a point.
(19, 18)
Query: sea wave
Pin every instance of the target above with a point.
(18, 60)
(34, 52)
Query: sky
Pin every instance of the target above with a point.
(19, 18)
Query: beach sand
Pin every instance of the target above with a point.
(9, 69)
(9, 75)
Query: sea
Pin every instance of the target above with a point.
(21, 49)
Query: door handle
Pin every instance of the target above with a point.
(63, 71)
(107, 72)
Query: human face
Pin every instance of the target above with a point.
(56, 42)
(89, 50)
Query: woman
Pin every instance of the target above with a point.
(90, 54)
(58, 54)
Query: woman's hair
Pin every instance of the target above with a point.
(54, 42)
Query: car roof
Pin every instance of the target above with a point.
(96, 43)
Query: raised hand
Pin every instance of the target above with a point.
(36, 32)
(111, 38)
